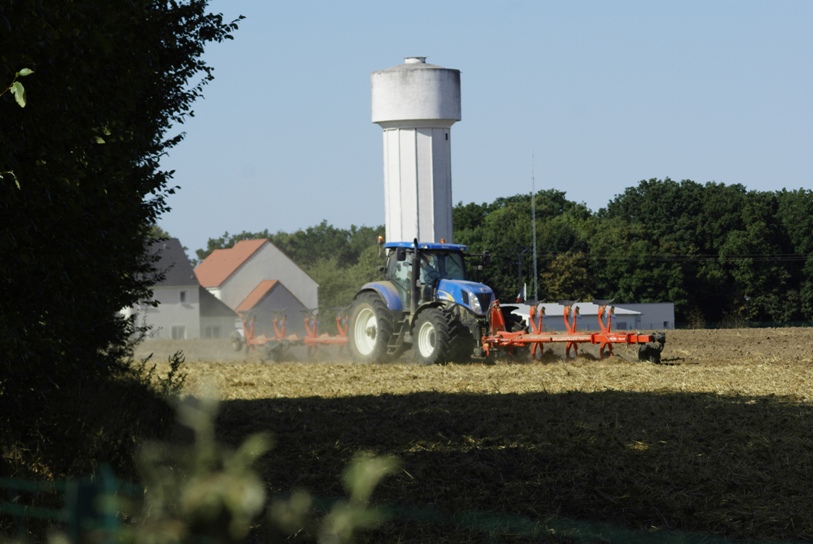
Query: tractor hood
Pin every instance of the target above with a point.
(472, 295)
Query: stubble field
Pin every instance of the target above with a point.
(716, 442)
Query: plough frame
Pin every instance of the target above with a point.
(498, 338)
(275, 347)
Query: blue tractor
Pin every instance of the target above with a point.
(426, 302)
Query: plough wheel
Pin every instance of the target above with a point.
(274, 352)
(651, 352)
(236, 341)
(515, 323)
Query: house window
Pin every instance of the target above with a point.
(183, 297)
(178, 332)
(665, 324)
(212, 331)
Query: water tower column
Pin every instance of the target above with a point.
(416, 104)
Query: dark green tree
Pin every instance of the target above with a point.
(719, 252)
(795, 214)
(756, 257)
(649, 243)
(567, 278)
(110, 81)
(504, 228)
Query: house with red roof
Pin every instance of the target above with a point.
(255, 278)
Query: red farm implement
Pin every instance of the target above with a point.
(314, 339)
(276, 347)
(499, 339)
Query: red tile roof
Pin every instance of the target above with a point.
(222, 263)
(256, 295)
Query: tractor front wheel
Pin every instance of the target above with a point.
(431, 337)
(370, 328)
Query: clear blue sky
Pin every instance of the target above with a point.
(602, 94)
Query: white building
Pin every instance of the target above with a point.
(255, 278)
(654, 316)
(184, 309)
(232, 274)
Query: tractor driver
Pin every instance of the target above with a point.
(429, 269)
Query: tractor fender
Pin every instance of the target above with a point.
(387, 292)
(423, 306)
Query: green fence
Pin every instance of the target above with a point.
(87, 505)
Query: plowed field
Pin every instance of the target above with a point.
(717, 440)
(683, 347)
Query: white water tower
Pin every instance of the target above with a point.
(416, 104)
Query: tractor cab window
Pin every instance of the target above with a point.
(452, 266)
(433, 265)
(449, 265)
(399, 268)
(430, 269)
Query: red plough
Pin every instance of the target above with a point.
(500, 339)
(313, 339)
(275, 348)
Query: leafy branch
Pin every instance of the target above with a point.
(18, 91)
(17, 88)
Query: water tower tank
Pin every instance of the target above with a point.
(416, 104)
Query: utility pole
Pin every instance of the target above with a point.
(533, 223)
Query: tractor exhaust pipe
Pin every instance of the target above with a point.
(416, 278)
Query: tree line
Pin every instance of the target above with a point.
(722, 254)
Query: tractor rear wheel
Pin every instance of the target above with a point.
(431, 337)
(370, 328)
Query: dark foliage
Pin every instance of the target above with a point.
(721, 253)
(80, 187)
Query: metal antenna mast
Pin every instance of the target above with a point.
(533, 223)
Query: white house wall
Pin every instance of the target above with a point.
(217, 327)
(171, 312)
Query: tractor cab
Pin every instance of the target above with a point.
(440, 269)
